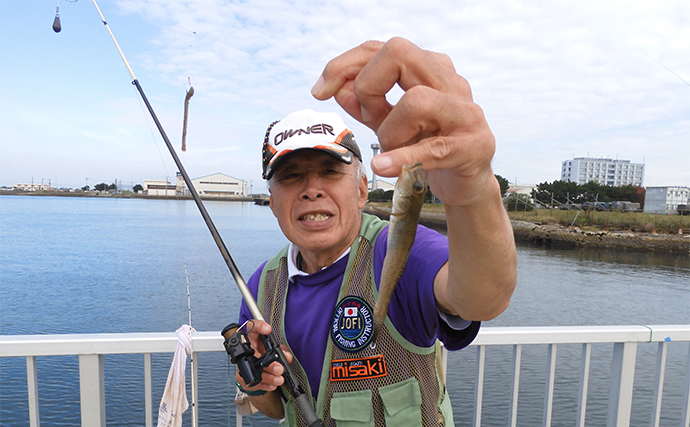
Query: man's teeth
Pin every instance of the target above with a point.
(315, 217)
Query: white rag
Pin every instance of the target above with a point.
(174, 401)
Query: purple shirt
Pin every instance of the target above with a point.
(311, 300)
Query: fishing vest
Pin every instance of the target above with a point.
(411, 393)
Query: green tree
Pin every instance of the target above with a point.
(101, 187)
(379, 195)
(137, 188)
(592, 192)
(518, 202)
(561, 192)
(557, 193)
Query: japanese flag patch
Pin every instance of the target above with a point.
(352, 324)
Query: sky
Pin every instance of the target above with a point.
(556, 80)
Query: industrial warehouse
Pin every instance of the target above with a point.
(215, 185)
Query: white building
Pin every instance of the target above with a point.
(665, 199)
(158, 187)
(381, 185)
(215, 185)
(521, 189)
(220, 185)
(31, 187)
(616, 173)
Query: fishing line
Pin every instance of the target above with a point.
(214, 40)
(153, 138)
(246, 294)
(201, 263)
(291, 384)
(672, 72)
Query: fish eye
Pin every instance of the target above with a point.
(418, 186)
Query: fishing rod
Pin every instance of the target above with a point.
(291, 384)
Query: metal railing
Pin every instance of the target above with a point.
(90, 349)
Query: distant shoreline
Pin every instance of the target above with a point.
(527, 232)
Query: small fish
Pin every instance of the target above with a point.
(408, 198)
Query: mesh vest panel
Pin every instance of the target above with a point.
(402, 361)
(273, 304)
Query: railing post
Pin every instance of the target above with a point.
(92, 390)
(479, 394)
(148, 390)
(550, 380)
(659, 382)
(194, 364)
(584, 384)
(515, 385)
(685, 422)
(32, 387)
(622, 378)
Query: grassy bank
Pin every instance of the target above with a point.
(599, 220)
(591, 220)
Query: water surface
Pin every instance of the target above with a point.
(92, 265)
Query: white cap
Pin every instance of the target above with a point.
(308, 129)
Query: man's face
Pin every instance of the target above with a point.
(317, 200)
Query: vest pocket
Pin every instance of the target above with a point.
(402, 403)
(352, 409)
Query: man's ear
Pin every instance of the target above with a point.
(270, 201)
(363, 191)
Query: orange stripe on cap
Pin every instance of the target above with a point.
(341, 149)
(341, 136)
(279, 155)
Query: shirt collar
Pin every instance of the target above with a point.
(293, 271)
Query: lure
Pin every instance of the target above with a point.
(190, 93)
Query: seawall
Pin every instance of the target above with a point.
(557, 236)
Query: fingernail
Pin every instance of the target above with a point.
(317, 87)
(381, 163)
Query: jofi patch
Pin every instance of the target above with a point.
(352, 324)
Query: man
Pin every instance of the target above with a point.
(317, 292)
